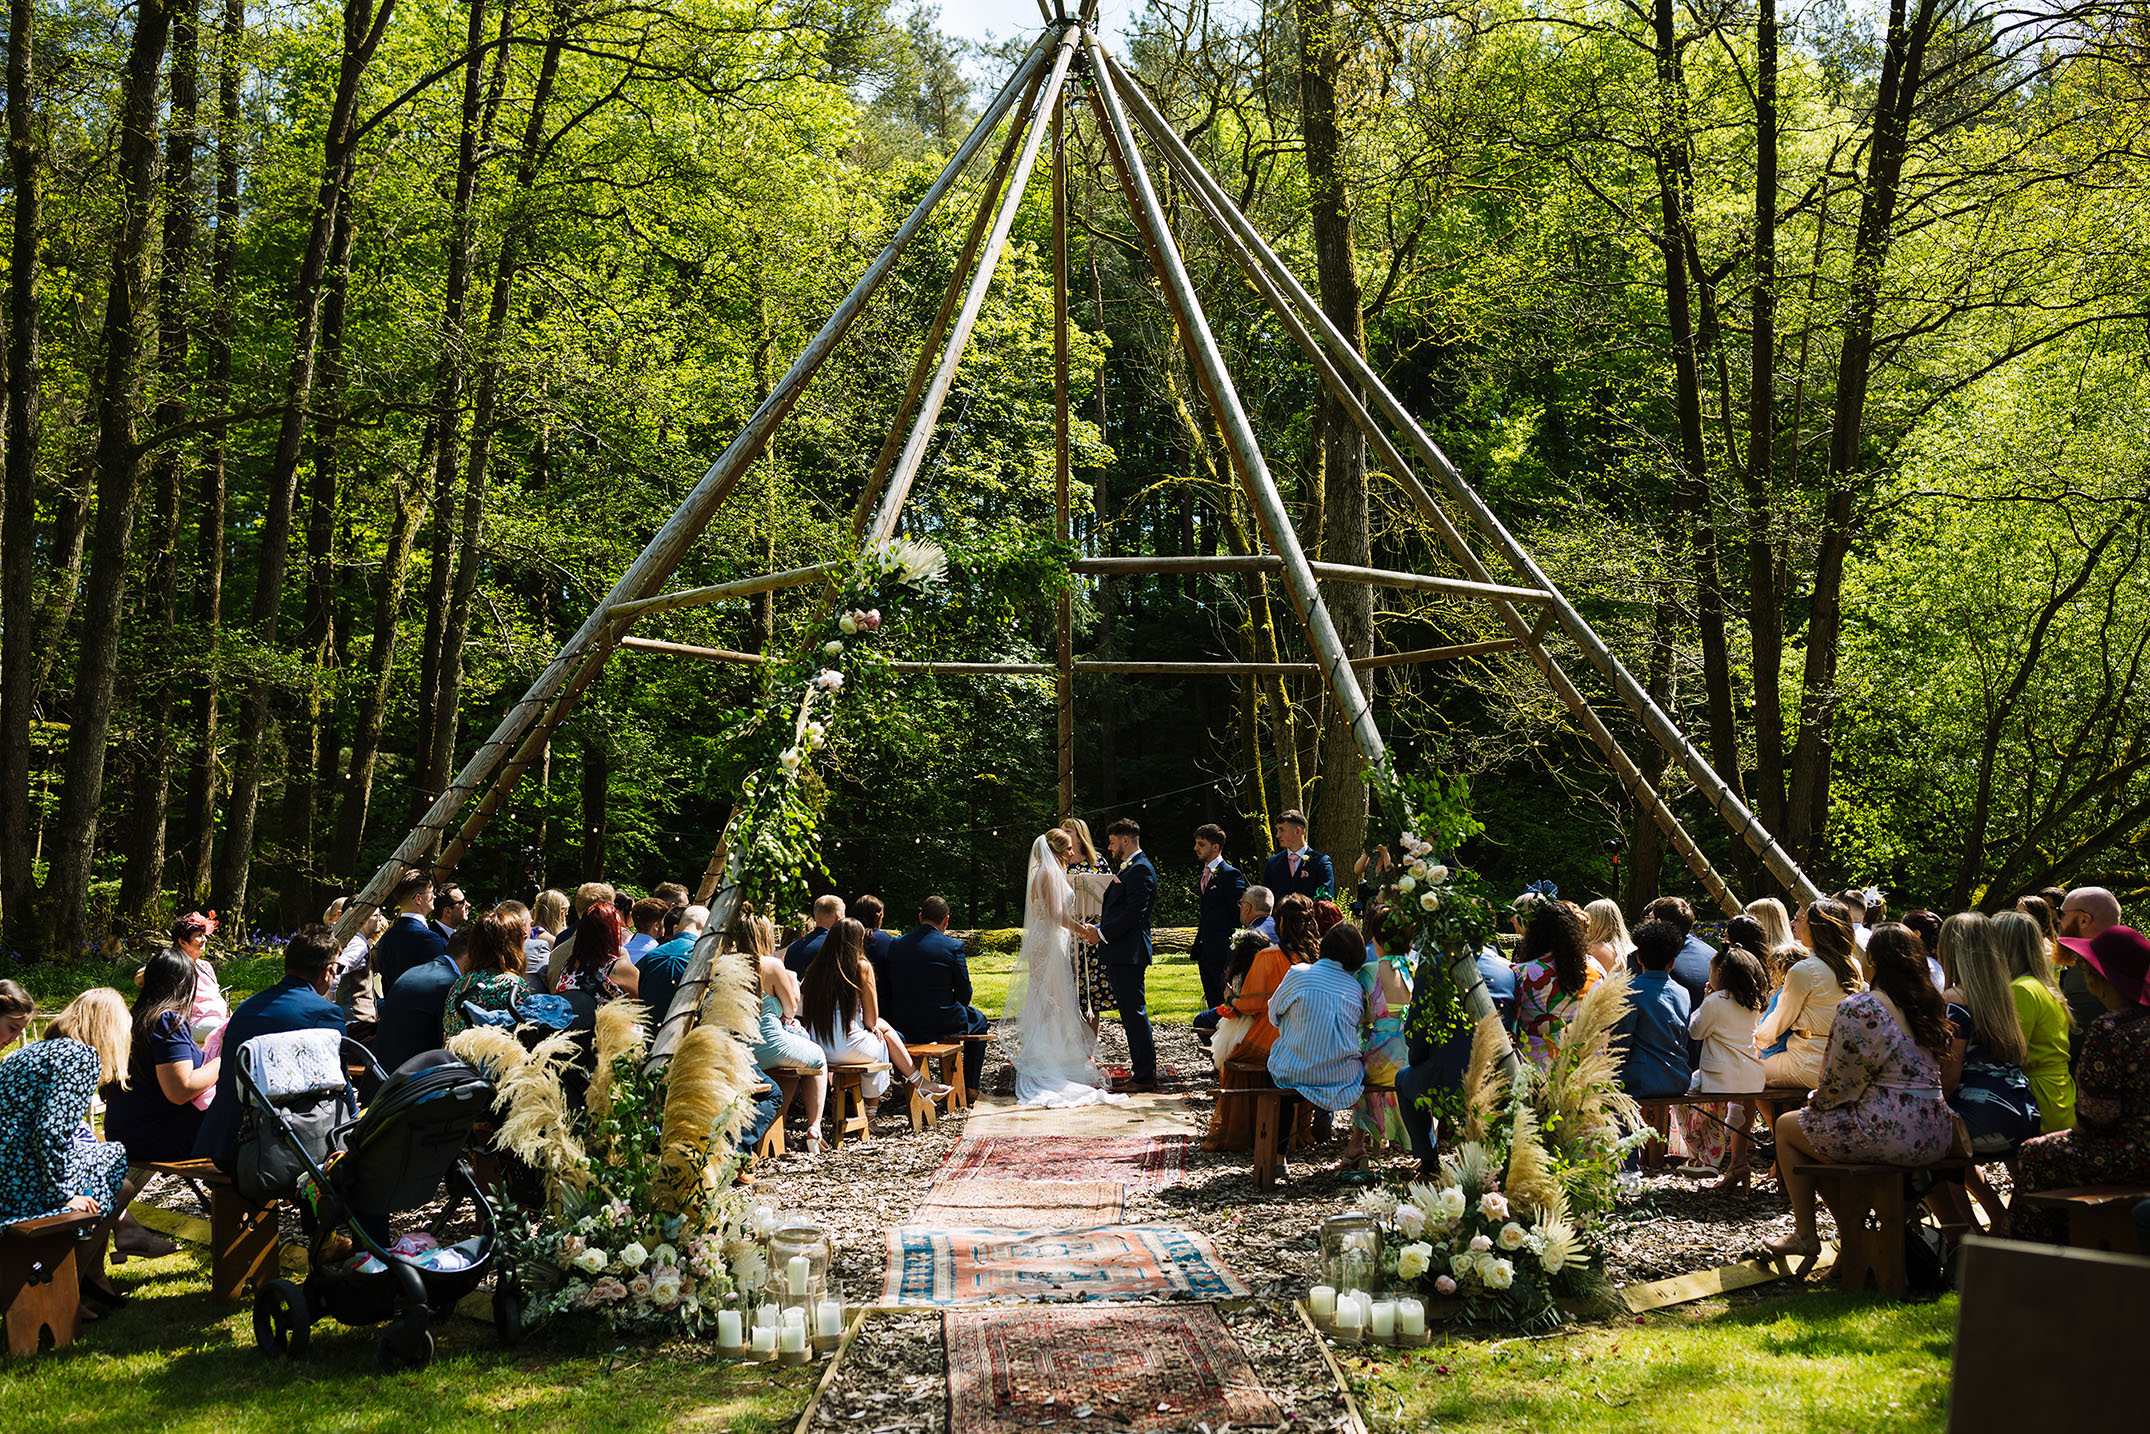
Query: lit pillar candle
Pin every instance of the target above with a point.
(1321, 1301)
(796, 1270)
(765, 1316)
(793, 1340)
(1383, 1323)
(1410, 1317)
(1347, 1315)
(764, 1338)
(828, 1319)
(729, 1335)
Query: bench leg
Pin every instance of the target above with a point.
(39, 1281)
(243, 1244)
(1869, 1211)
(1267, 1110)
(2102, 1227)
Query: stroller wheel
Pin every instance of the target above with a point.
(406, 1344)
(281, 1319)
(508, 1309)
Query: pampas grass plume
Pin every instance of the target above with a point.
(538, 1129)
(493, 1051)
(1485, 1083)
(619, 1033)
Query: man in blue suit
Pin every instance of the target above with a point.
(1217, 893)
(410, 939)
(800, 954)
(1297, 868)
(925, 989)
(1122, 937)
(415, 1008)
(299, 1002)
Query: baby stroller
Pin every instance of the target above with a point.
(352, 1178)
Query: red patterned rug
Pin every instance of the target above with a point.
(1022, 1204)
(1137, 1161)
(1057, 1371)
(979, 1266)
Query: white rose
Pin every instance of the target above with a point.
(633, 1256)
(1451, 1204)
(1436, 873)
(1480, 1244)
(1406, 885)
(1418, 869)
(1430, 901)
(1511, 1236)
(1413, 1261)
(664, 1293)
(789, 760)
(1498, 1275)
(848, 623)
(1493, 1205)
(591, 1261)
(664, 1255)
(1410, 1219)
(1462, 1265)
(832, 649)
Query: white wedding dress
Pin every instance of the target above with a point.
(1042, 1027)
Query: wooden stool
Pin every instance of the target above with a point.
(925, 1109)
(771, 1143)
(40, 1286)
(243, 1238)
(1271, 1135)
(1868, 1202)
(2099, 1216)
(849, 1114)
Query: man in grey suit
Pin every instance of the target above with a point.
(1122, 936)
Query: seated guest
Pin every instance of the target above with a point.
(152, 1111)
(410, 939)
(51, 1163)
(1984, 1074)
(1722, 1033)
(492, 979)
(547, 915)
(414, 1013)
(2085, 913)
(299, 1002)
(2042, 1015)
(451, 910)
(1927, 925)
(206, 1007)
(1385, 979)
(1434, 1076)
(840, 1007)
(1691, 968)
(1244, 1027)
(1318, 1010)
(1806, 1007)
(926, 986)
(1879, 1100)
(1245, 947)
(517, 916)
(595, 962)
(800, 954)
(1551, 976)
(1257, 905)
(1768, 913)
(2110, 1141)
(587, 895)
(1655, 1025)
(17, 1006)
(664, 966)
(784, 1047)
(869, 910)
(647, 915)
(1606, 940)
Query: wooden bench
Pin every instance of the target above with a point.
(40, 1284)
(2100, 1217)
(243, 1238)
(2044, 1338)
(1657, 1113)
(926, 1109)
(772, 1143)
(1868, 1203)
(1281, 1119)
(849, 1114)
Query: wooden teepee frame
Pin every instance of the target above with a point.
(1036, 93)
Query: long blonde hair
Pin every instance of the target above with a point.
(1607, 925)
(2019, 944)
(1775, 921)
(1081, 829)
(550, 911)
(1967, 938)
(98, 1018)
(1981, 975)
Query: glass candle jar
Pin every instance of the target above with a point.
(799, 1254)
(1351, 1252)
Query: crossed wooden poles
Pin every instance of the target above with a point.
(1036, 93)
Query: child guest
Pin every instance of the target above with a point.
(1723, 1028)
(1654, 1029)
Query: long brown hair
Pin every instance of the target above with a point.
(1899, 961)
(1555, 936)
(1829, 928)
(494, 946)
(1298, 930)
(168, 983)
(834, 985)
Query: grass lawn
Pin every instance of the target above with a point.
(1778, 1364)
(172, 1361)
(1175, 986)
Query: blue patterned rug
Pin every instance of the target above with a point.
(929, 1267)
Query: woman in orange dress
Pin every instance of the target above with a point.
(1232, 1126)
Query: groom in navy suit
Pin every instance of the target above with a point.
(1122, 935)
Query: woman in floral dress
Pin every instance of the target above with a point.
(1386, 980)
(1879, 1101)
(1552, 974)
(1091, 987)
(51, 1162)
(492, 975)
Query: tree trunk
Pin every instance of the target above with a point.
(209, 545)
(18, 554)
(142, 880)
(363, 26)
(1765, 616)
(119, 469)
(1339, 815)
(596, 775)
(1646, 844)
(373, 699)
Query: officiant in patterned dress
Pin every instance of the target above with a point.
(1094, 991)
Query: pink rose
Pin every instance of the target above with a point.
(608, 1291)
(1445, 1285)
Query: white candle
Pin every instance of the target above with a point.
(795, 1315)
(728, 1330)
(1384, 1319)
(828, 1319)
(764, 1338)
(1410, 1317)
(794, 1339)
(1347, 1315)
(765, 1316)
(795, 1272)
(1321, 1301)
(1363, 1302)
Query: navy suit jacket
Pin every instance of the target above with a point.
(800, 954)
(409, 941)
(412, 1012)
(1314, 874)
(1219, 913)
(1124, 919)
(289, 1005)
(925, 984)
(877, 944)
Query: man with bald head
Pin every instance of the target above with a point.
(2088, 911)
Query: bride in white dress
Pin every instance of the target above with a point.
(1042, 1026)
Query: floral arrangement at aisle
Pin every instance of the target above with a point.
(641, 1222)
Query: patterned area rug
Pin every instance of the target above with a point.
(1170, 1079)
(1047, 1371)
(1023, 1205)
(971, 1266)
(1138, 1161)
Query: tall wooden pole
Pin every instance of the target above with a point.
(1064, 684)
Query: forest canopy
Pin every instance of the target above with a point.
(354, 349)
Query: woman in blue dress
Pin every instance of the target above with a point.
(51, 1162)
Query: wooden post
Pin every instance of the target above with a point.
(1064, 609)
(522, 730)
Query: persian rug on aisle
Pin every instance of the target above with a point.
(1049, 1371)
(1170, 1079)
(1141, 1162)
(1022, 1205)
(973, 1266)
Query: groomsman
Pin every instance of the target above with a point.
(1217, 893)
(1297, 868)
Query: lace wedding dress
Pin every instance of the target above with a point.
(1042, 1027)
